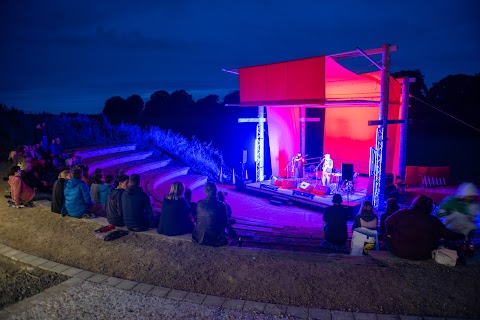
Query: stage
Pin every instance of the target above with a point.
(313, 195)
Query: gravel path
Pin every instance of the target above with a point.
(96, 301)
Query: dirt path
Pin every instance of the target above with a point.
(304, 279)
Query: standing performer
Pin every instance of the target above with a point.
(327, 170)
(298, 163)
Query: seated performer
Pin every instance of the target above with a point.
(327, 170)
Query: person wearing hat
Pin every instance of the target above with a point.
(460, 211)
(335, 218)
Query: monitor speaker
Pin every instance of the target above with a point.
(347, 171)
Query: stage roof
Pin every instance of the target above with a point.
(316, 82)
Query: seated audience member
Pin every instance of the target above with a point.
(211, 219)
(105, 189)
(392, 207)
(366, 218)
(94, 191)
(335, 218)
(94, 178)
(136, 206)
(193, 205)
(20, 191)
(58, 197)
(78, 202)
(43, 190)
(175, 218)
(230, 222)
(113, 204)
(85, 178)
(414, 233)
(460, 211)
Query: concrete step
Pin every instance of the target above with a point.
(108, 161)
(151, 179)
(96, 151)
(192, 181)
(142, 166)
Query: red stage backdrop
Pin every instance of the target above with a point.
(320, 82)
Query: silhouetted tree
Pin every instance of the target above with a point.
(209, 104)
(114, 108)
(155, 107)
(232, 98)
(133, 108)
(181, 103)
(457, 95)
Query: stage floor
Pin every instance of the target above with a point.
(312, 199)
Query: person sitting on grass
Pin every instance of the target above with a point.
(19, 190)
(136, 206)
(392, 207)
(101, 188)
(58, 197)
(414, 233)
(211, 219)
(366, 218)
(78, 202)
(113, 204)
(175, 218)
(230, 222)
(335, 229)
(193, 205)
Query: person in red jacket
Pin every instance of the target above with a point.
(414, 233)
(19, 190)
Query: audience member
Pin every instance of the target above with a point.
(94, 187)
(58, 196)
(136, 206)
(460, 212)
(113, 204)
(211, 219)
(335, 218)
(193, 205)
(414, 233)
(19, 190)
(175, 218)
(230, 222)
(366, 218)
(105, 189)
(392, 207)
(78, 202)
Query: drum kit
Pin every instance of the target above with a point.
(337, 185)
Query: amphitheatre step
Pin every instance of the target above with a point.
(96, 151)
(192, 181)
(141, 166)
(110, 160)
(151, 179)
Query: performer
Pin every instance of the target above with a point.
(298, 163)
(327, 170)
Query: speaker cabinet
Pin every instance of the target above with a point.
(277, 181)
(347, 171)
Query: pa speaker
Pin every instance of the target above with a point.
(347, 171)
(276, 181)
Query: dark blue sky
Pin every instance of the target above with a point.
(73, 55)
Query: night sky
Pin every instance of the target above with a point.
(70, 56)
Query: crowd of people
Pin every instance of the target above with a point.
(44, 171)
(413, 232)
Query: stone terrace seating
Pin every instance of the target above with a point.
(110, 160)
(96, 151)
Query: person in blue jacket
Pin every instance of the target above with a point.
(78, 201)
(136, 206)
